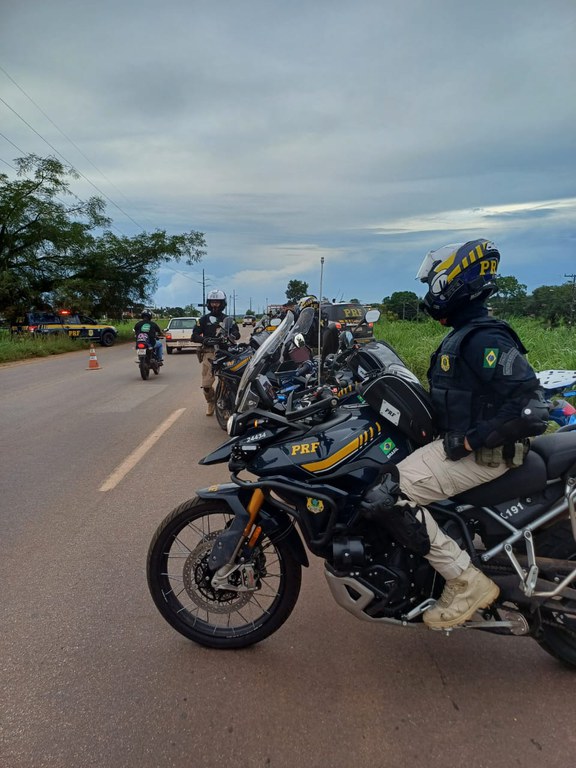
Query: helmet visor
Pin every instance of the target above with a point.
(433, 258)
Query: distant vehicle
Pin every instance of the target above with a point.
(65, 323)
(348, 317)
(178, 334)
(248, 320)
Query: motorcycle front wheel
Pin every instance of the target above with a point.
(180, 583)
(224, 405)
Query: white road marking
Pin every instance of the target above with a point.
(130, 462)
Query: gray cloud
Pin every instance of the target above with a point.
(290, 131)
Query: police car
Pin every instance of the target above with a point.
(67, 323)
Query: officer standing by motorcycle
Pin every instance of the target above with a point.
(487, 402)
(206, 332)
(147, 325)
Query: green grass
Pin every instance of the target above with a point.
(414, 342)
(14, 348)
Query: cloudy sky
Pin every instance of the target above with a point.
(365, 132)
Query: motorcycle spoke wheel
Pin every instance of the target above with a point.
(180, 583)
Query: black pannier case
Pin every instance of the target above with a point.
(400, 398)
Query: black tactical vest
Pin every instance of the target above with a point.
(459, 396)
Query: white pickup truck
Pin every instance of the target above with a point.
(178, 334)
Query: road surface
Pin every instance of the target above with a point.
(91, 675)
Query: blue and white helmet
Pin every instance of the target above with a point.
(458, 274)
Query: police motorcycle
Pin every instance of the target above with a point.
(230, 359)
(557, 386)
(224, 568)
(146, 355)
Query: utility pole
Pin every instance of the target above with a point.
(203, 290)
(573, 302)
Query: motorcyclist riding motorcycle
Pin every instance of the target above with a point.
(487, 402)
(155, 334)
(205, 332)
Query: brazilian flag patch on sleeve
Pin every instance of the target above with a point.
(490, 357)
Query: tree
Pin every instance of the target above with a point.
(49, 254)
(296, 289)
(552, 303)
(510, 297)
(403, 304)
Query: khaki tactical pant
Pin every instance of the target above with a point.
(428, 475)
(207, 375)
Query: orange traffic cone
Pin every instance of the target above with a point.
(93, 364)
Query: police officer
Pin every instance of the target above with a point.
(206, 332)
(147, 325)
(487, 401)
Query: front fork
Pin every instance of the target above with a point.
(226, 550)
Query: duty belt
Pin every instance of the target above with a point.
(511, 454)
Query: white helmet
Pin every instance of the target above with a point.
(216, 295)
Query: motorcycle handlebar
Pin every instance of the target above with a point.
(327, 400)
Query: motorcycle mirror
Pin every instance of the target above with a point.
(346, 340)
(372, 316)
(275, 322)
(299, 340)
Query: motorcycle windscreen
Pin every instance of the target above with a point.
(260, 362)
(404, 403)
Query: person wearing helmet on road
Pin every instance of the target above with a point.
(487, 401)
(206, 333)
(147, 325)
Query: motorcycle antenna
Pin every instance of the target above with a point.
(319, 322)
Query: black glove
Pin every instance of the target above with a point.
(211, 341)
(454, 446)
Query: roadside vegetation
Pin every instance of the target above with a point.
(15, 347)
(414, 342)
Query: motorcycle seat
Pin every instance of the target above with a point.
(520, 482)
(558, 450)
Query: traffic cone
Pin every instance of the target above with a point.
(93, 364)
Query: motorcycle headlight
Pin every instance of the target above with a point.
(231, 424)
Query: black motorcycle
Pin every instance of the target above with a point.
(146, 356)
(224, 568)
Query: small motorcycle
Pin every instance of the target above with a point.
(146, 358)
(224, 568)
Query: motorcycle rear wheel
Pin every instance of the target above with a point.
(224, 404)
(558, 634)
(180, 587)
(144, 369)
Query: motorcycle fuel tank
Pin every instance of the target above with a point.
(355, 437)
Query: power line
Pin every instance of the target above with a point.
(70, 164)
(39, 108)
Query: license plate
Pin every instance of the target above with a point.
(141, 352)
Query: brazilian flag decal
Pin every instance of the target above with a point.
(387, 446)
(490, 357)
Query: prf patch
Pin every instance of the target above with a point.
(490, 357)
(445, 362)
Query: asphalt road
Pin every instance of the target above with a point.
(91, 675)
